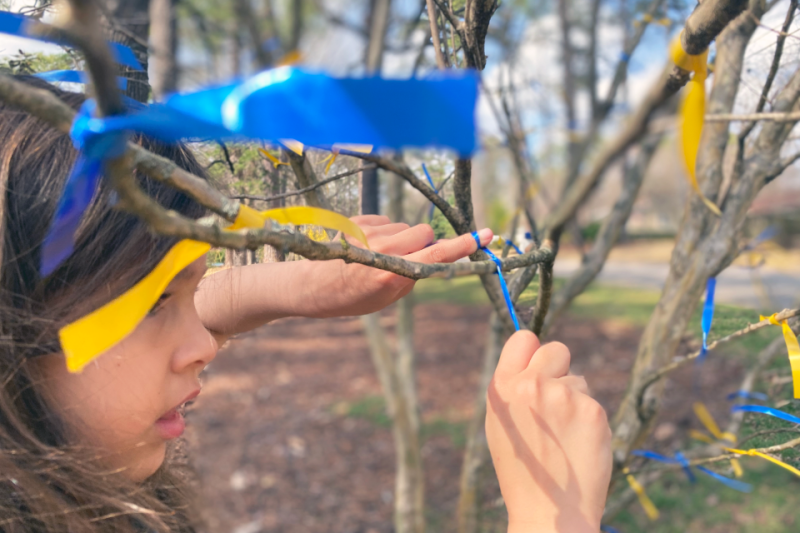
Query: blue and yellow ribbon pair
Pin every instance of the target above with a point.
(681, 460)
(719, 436)
(771, 412)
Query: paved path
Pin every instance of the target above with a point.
(734, 286)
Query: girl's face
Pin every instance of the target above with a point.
(126, 402)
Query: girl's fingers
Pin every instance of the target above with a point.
(517, 354)
(551, 360)
(447, 251)
(384, 230)
(577, 383)
(403, 242)
(370, 220)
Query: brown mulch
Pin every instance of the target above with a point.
(276, 452)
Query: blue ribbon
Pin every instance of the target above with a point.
(283, 103)
(708, 316)
(75, 76)
(768, 233)
(608, 529)
(686, 466)
(430, 180)
(81, 185)
(625, 57)
(741, 486)
(681, 459)
(767, 411)
(506, 295)
(760, 396)
(13, 24)
(514, 246)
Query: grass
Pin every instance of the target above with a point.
(706, 506)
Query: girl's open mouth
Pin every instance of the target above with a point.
(171, 425)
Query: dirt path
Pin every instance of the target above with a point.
(279, 448)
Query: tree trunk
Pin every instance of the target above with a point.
(164, 42)
(378, 24)
(476, 452)
(128, 23)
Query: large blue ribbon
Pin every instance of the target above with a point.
(284, 103)
(14, 24)
(767, 411)
(708, 316)
(81, 185)
(503, 286)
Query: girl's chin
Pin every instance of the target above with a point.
(148, 463)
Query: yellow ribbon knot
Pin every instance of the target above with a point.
(792, 348)
(692, 112)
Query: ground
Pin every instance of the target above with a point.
(289, 434)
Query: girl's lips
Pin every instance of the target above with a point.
(171, 425)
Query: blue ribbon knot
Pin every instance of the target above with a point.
(503, 285)
(94, 145)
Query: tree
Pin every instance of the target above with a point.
(706, 243)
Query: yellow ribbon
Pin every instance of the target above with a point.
(360, 148)
(756, 453)
(647, 504)
(295, 146)
(711, 425)
(647, 18)
(692, 113)
(274, 160)
(91, 335)
(793, 349)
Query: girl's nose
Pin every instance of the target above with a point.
(197, 346)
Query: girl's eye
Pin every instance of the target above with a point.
(158, 304)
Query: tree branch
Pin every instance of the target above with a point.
(769, 117)
(303, 190)
(437, 44)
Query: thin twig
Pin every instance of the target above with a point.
(305, 189)
(666, 369)
(772, 117)
(227, 156)
(437, 45)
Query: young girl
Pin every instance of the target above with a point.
(88, 452)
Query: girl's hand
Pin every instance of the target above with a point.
(550, 442)
(354, 289)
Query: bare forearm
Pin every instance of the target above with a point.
(240, 299)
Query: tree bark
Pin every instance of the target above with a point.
(164, 42)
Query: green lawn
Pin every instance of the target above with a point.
(704, 507)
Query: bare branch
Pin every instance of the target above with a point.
(769, 117)
(450, 213)
(47, 107)
(666, 369)
(543, 298)
(437, 45)
(303, 190)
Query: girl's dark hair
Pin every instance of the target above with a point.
(45, 484)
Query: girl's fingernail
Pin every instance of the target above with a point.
(485, 235)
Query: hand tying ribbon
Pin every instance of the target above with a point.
(692, 112)
(793, 349)
(503, 286)
(91, 335)
(708, 317)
